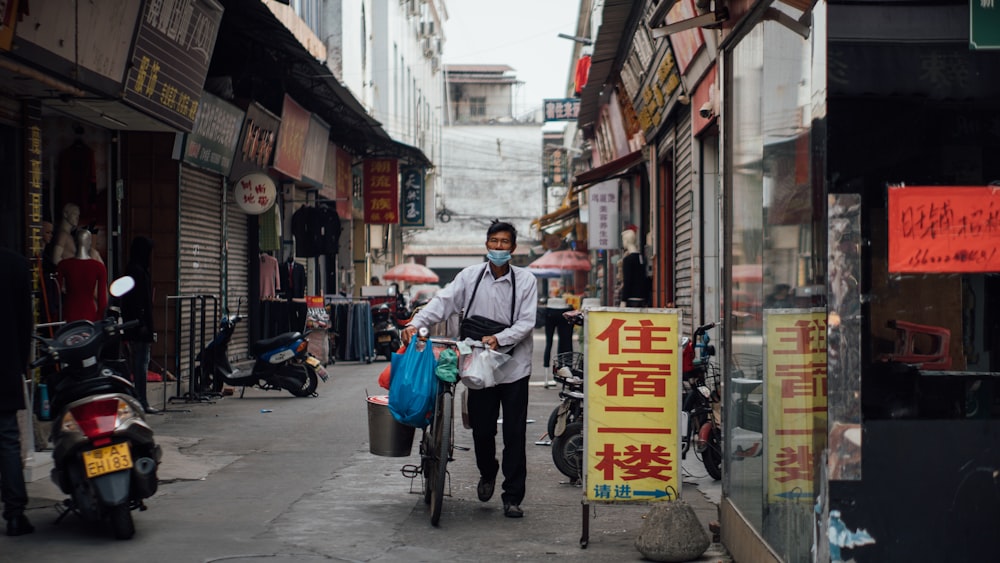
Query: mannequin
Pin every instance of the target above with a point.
(635, 282)
(270, 281)
(555, 322)
(65, 247)
(84, 282)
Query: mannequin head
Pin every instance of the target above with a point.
(82, 237)
(71, 216)
(47, 231)
(628, 241)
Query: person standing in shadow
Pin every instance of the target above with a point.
(137, 305)
(15, 346)
(555, 323)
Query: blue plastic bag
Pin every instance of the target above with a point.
(413, 387)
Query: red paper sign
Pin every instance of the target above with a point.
(944, 229)
(381, 191)
(291, 139)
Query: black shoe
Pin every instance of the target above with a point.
(512, 511)
(485, 488)
(151, 410)
(19, 526)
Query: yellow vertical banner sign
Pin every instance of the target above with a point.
(632, 405)
(795, 372)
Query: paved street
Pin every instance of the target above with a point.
(299, 484)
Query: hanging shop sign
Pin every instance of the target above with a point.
(173, 47)
(685, 44)
(8, 20)
(381, 185)
(795, 370)
(602, 211)
(329, 188)
(633, 402)
(314, 156)
(562, 109)
(984, 25)
(944, 229)
(32, 130)
(291, 139)
(257, 141)
(412, 208)
(89, 43)
(255, 193)
(212, 141)
(651, 104)
(345, 184)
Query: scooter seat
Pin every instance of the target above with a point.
(267, 344)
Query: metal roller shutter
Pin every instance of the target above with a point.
(684, 221)
(238, 277)
(200, 253)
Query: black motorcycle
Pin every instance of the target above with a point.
(387, 331)
(700, 425)
(281, 362)
(565, 425)
(104, 454)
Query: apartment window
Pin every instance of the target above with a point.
(477, 106)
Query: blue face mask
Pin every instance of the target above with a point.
(498, 257)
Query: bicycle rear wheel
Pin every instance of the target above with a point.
(442, 451)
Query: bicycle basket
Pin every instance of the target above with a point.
(572, 360)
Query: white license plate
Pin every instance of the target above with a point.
(107, 460)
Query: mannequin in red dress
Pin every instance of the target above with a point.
(84, 282)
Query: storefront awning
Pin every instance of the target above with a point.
(607, 170)
(255, 33)
(556, 216)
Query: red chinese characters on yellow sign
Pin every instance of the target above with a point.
(381, 178)
(796, 401)
(633, 404)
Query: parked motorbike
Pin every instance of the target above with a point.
(387, 333)
(281, 362)
(565, 425)
(104, 454)
(700, 426)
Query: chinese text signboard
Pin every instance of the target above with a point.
(381, 185)
(170, 59)
(216, 132)
(565, 109)
(632, 405)
(255, 193)
(795, 371)
(412, 208)
(289, 151)
(602, 211)
(256, 146)
(944, 229)
(345, 185)
(32, 131)
(984, 24)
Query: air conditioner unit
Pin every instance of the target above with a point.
(428, 49)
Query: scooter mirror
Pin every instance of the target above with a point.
(121, 286)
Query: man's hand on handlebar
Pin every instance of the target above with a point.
(491, 341)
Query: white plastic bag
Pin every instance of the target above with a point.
(479, 374)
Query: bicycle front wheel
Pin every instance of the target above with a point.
(442, 451)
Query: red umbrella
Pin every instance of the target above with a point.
(411, 272)
(563, 260)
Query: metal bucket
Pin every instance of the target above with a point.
(386, 437)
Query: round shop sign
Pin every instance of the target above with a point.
(255, 193)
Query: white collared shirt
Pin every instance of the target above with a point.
(493, 302)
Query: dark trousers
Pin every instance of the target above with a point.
(484, 409)
(138, 364)
(12, 490)
(556, 323)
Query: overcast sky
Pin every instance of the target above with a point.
(522, 34)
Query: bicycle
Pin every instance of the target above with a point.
(437, 442)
